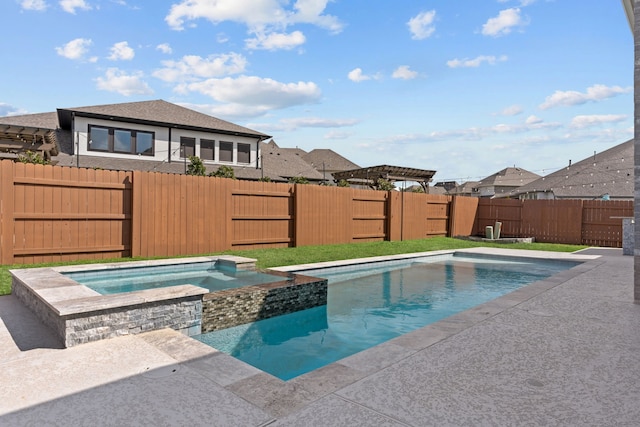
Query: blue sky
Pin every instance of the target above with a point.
(463, 87)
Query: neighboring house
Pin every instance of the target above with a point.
(148, 135)
(282, 164)
(504, 182)
(327, 161)
(469, 188)
(606, 175)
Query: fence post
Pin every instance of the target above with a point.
(6, 212)
(394, 216)
(136, 213)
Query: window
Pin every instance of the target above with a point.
(125, 141)
(98, 139)
(226, 152)
(244, 153)
(207, 149)
(187, 147)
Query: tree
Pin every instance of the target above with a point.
(384, 185)
(343, 183)
(195, 166)
(224, 171)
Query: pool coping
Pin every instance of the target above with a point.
(78, 314)
(280, 398)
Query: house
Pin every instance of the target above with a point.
(606, 175)
(504, 182)
(148, 135)
(468, 188)
(327, 162)
(283, 164)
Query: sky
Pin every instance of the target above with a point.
(465, 88)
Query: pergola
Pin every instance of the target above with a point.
(17, 139)
(369, 176)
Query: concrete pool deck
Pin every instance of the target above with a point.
(558, 352)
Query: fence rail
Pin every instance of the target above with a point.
(51, 213)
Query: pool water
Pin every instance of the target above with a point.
(373, 303)
(204, 274)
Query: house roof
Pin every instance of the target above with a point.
(329, 160)
(609, 172)
(465, 188)
(285, 163)
(158, 113)
(509, 177)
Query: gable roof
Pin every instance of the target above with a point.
(325, 158)
(609, 172)
(157, 113)
(509, 177)
(281, 162)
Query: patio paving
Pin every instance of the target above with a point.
(560, 353)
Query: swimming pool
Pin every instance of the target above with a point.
(209, 275)
(371, 303)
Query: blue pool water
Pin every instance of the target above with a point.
(372, 303)
(208, 275)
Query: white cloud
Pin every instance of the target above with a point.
(276, 41)
(121, 51)
(38, 5)
(404, 72)
(512, 110)
(357, 76)
(253, 96)
(256, 15)
(421, 26)
(503, 24)
(191, 67)
(164, 48)
(116, 80)
(292, 124)
(71, 5)
(75, 49)
(584, 121)
(533, 120)
(593, 94)
(475, 62)
(338, 135)
(10, 110)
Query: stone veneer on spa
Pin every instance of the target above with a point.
(78, 314)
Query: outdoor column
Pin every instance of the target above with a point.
(636, 146)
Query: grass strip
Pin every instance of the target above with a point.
(278, 257)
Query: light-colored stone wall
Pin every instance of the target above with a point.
(183, 315)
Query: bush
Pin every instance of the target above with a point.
(32, 157)
(298, 180)
(195, 166)
(224, 171)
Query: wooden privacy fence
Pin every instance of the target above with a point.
(51, 213)
(580, 222)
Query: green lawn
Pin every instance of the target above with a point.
(309, 254)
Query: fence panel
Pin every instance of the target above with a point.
(414, 213)
(552, 221)
(602, 222)
(506, 211)
(462, 216)
(437, 215)
(323, 215)
(369, 215)
(262, 215)
(61, 214)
